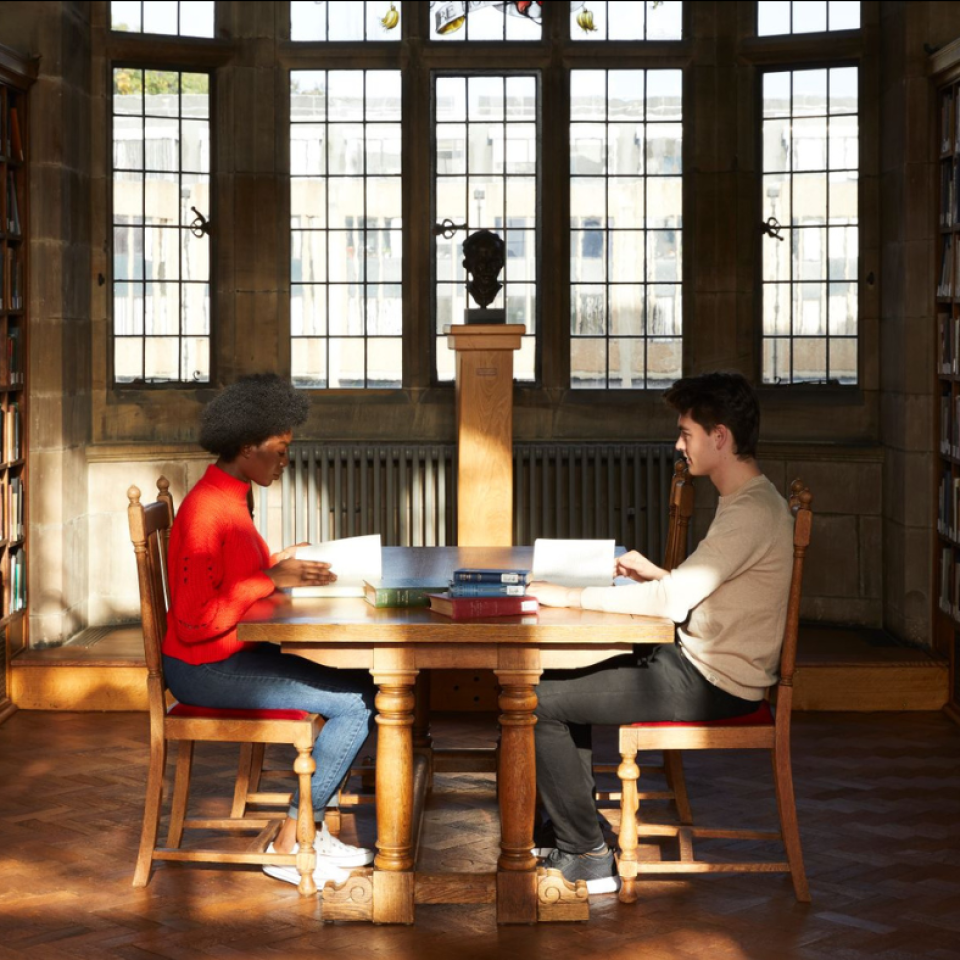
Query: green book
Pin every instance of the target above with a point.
(401, 591)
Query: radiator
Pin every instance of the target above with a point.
(407, 493)
(593, 491)
(404, 492)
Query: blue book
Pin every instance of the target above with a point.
(487, 589)
(483, 575)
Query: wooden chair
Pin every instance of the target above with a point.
(247, 791)
(675, 552)
(171, 721)
(760, 730)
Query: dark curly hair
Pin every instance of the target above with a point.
(249, 411)
(715, 398)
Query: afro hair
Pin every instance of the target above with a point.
(249, 411)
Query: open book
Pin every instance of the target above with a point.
(353, 560)
(574, 563)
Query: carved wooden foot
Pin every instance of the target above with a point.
(350, 900)
(559, 899)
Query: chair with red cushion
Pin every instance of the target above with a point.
(763, 729)
(171, 721)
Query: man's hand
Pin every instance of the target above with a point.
(300, 573)
(637, 567)
(553, 595)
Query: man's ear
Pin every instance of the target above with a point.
(722, 436)
(246, 450)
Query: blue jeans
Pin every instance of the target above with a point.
(263, 678)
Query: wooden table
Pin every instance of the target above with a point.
(395, 645)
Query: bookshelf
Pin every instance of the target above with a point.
(16, 75)
(946, 616)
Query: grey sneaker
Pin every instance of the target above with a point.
(598, 870)
(545, 835)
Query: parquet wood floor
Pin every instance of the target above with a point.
(879, 803)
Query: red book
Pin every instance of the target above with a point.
(473, 608)
(16, 142)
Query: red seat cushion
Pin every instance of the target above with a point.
(762, 716)
(188, 712)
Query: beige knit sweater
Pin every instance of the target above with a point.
(730, 594)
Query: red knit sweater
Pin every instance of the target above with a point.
(215, 565)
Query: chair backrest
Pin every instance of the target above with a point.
(681, 510)
(150, 533)
(800, 500)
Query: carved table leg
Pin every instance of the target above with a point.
(393, 878)
(516, 777)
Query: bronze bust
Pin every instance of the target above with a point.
(483, 256)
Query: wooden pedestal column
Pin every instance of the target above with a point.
(485, 431)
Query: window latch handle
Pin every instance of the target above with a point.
(771, 227)
(447, 228)
(200, 227)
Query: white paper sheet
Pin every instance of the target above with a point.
(574, 563)
(353, 560)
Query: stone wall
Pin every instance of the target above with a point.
(866, 454)
(908, 235)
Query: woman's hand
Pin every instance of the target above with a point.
(637, 567)
(553, 595)
(300, 573)
(287, 553)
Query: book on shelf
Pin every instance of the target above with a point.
(16, 139)
(12, 298)
(954, 194)
(941, 504)
(487, 589)
(955, 290)
(490, 575)
(955, 428)
(478, 608)
(13, 210)
(947, 577)
(401, 591)
(956, 121)
(945, 285)
(955, 509)
(954, 599)
(946, 193)
(352, 559)
(947, 121)
(947, 328)
(18, 591)
(13, 357)
(11, 432)
(945, 405)
(15, 512)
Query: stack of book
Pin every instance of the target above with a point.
(476, 593)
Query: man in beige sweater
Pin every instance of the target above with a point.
(728, 598)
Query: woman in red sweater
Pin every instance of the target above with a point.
(218, 566)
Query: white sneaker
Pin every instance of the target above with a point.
(342, 854)
(325, 870)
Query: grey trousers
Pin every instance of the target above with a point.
(658, 683)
